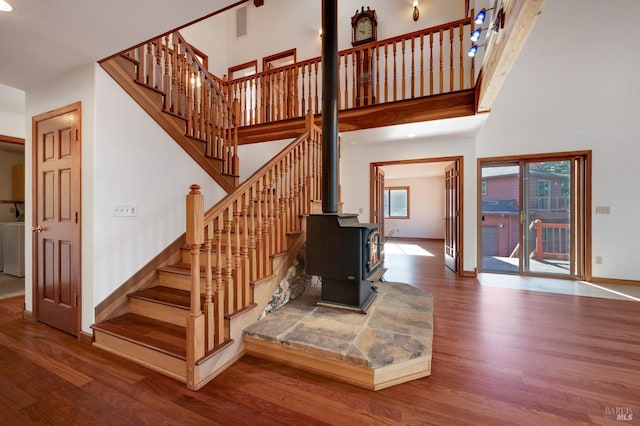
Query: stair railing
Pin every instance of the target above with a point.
(238, 236)
(169, 65)
(423, 63)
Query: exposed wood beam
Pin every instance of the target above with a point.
(520, 17)
(438, 107)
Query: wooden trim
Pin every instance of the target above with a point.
(436, 107)
(77, 106)
(239, 67)
(615, 281)
(408, 189)
(587, 200)
(116, 302)
(86, 338)
(279, 55)
(11, 139)
(460, 160)
(470, 274)
(520, 16)
(201, 55)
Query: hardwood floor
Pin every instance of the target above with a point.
(500, 356)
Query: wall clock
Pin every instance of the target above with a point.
(364, 26)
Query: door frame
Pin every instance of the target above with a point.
(586, 218)
(77, 106)
(460, 198)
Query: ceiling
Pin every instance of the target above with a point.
(42, 39)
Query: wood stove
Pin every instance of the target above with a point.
(347, 255)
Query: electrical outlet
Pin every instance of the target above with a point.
(123, 210)
(598, 260)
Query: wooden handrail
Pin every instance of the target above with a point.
(239, 234)
(412, 65)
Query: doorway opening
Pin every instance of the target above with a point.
(420, 199)
(534, 215)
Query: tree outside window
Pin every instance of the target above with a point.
(396, 202)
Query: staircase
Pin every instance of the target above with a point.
(188, 322)
(165, 77)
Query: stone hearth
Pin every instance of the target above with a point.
(391, 344)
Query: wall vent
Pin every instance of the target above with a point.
(241, 21)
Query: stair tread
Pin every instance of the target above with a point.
(154, 334)
(165, 295)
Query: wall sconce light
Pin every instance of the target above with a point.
(416, 11)
(320, 33)
(5, 7)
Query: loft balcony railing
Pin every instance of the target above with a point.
(428, 62)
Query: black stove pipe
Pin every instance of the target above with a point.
(330, 106)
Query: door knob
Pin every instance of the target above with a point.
(38, 228)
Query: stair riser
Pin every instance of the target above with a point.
(165, 364)
(159, 311)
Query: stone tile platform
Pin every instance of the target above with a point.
(388, 345)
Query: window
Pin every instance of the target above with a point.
(484, 188)
(243, 70)
(396, 202)
(278, 60)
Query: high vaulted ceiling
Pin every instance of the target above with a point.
(42, 39)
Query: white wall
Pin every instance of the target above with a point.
(426, 204)
(567, 92)
(286, 24)
(254, 156)
(354, 170)
(12, 104)
(136, 162)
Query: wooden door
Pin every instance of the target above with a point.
(452, 216)
(377, 199)
(56, 218)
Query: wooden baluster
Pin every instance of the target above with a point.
(258, 230)
(139, 52)
(369, 81)
(421, 65)
(404, 74)
(148, 65)
(158, 64)
(191, 82)
(266, 235)
(430, 63)
(316, 109)
(208, 294)
(281, 205)
(220, 292)
(244, 250)
(275, 240)
(237, 252)
(441, 64)
(236, 157)
(277, 229)
(166, 77)
(228, 254)
(386, 72)
(195, 320)
(346, 81)
(174, 78)
(253, 260)
(354, 83)
(413, 68)
(451, 60)
(300, 196)
(378, 73)
(302, 101)
(361, 71)
(461, 56)
(395, 71)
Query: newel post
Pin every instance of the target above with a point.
(195, 321)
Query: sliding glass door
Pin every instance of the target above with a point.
(533, 216)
